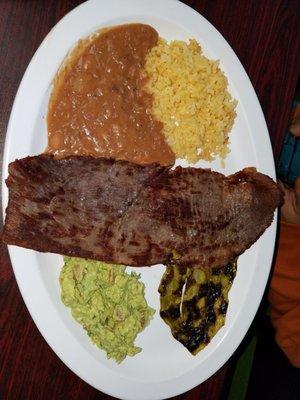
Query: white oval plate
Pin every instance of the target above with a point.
(164, 368)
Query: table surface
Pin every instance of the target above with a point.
(264, 35)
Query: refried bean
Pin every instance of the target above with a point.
(98, 106)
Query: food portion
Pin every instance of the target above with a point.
(191, 99)
(125, 104)
(98, 106)
(193, 302)
(124, 213)
(126, 93)
(108, 302)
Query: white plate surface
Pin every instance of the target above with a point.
(164, 368)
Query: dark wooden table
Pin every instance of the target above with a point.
(264, 35)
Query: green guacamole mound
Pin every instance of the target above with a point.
(108, 302)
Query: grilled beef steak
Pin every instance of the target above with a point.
(124, 213)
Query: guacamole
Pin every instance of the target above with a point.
(108, 302)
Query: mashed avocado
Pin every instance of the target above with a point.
(109, 304)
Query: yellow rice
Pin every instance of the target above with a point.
(191, 99)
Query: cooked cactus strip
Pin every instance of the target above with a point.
(193, 302)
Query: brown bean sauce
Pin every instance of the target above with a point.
(98, 106)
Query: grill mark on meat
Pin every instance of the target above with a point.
(119, 212)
